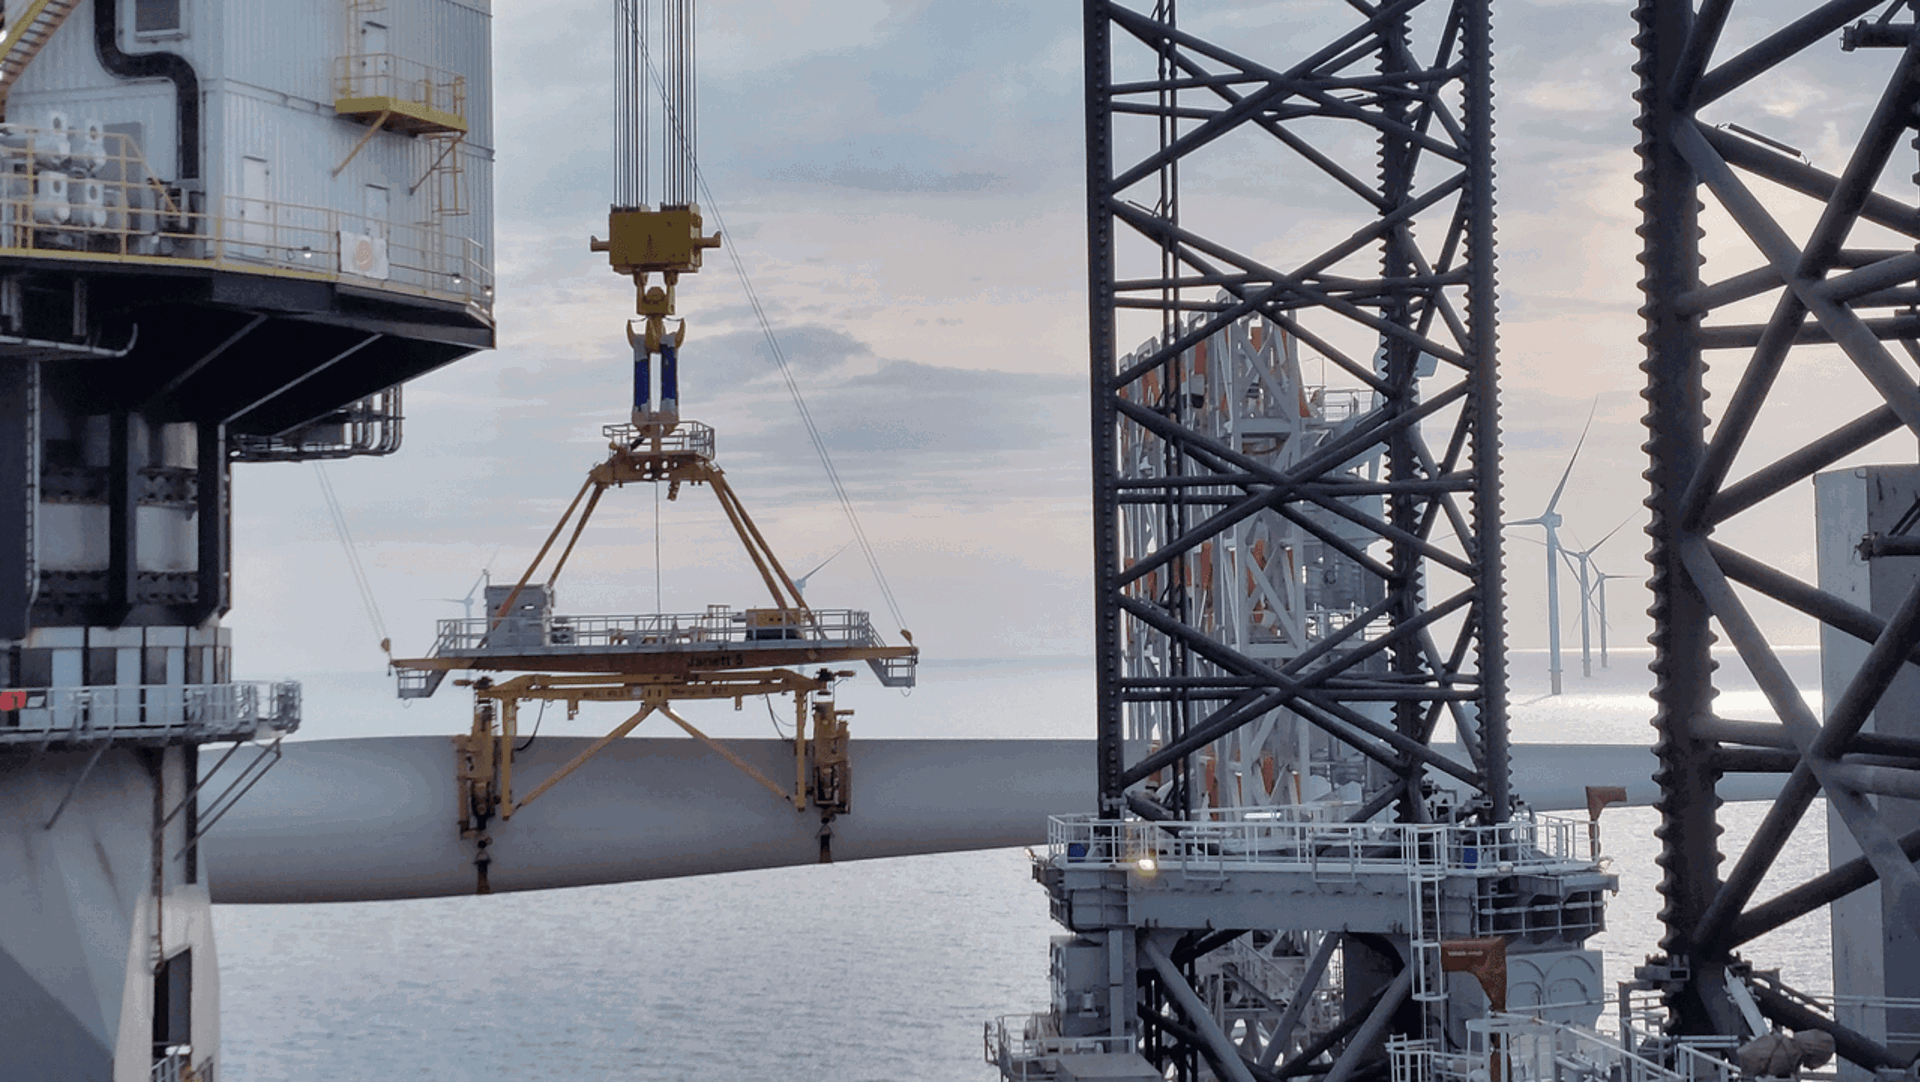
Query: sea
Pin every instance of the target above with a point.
(870, 971)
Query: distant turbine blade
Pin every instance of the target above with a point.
(801, 582)
(1575, 457)
(1610, 533)
(484, 569)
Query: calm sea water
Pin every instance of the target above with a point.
(878, 971)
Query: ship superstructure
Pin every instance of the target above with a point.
(228, 232)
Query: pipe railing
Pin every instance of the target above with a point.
(88, 715)
(68, 194)
(1015, 1044)
(1518, 1048)
(1279, 837)
(386, 75)
(652, 631)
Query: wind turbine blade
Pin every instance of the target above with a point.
(485, 568)
(1610, 533)
(801, 582)
(1575, 457)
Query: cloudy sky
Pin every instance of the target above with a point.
(903, 182)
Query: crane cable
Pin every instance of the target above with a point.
(340, 530)
(806, 416)
(674, 121)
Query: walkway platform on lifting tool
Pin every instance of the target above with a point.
(667, 644)
(522, 634)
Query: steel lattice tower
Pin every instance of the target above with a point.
(1385, 270)
(1394, 115)
(1842, 293)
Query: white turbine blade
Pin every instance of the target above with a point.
(366, 819)
(640, 809)
(801, 582)
(478, 582)
(1575, 457)
(1610, 533)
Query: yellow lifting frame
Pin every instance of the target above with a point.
(486, 753)
(626, 466)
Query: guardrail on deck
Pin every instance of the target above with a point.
(66, 195)
(1014, 1045)
(91, 715)
(1536, 1050)
(650, 631)
(1282, 837)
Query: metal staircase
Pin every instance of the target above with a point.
(26, 36)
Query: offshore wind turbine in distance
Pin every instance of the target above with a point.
(1582, 561)
(1549, 520)
(1600, 590)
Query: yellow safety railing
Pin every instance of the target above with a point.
(66, 196)
(384, 75)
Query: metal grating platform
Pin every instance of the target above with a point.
(658, 643)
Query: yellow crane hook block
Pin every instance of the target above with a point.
(664, 241)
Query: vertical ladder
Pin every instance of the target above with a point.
(447, 174)
(1426, 872)
(26, 36)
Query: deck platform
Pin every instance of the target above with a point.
(665, 644)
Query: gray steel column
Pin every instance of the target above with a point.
(1683, 670)
(1107, 648)
(1482, 308)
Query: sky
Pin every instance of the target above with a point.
(903, 184)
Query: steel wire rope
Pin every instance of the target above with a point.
(345, 534)
(806, 417)
(673, 120)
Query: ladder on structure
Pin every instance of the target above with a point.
(444, 175)
(26, 36)
(1426, 873)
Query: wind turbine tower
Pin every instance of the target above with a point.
(1600, 590)
(1549, 520)
(1584, 562)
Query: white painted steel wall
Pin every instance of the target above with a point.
(82, 930)
(265, 69)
